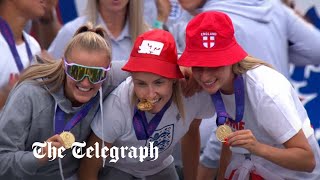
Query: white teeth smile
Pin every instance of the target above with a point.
(84, 89)
(209, 83)
(154, 101)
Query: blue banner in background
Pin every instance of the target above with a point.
(306, 80)
(313, 16)
(67, 10)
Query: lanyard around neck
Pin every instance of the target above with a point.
(8, 36)
(222, 115)
(142, 128)
(60, 117)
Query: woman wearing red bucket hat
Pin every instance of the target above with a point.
(148, 110)
(265, 130)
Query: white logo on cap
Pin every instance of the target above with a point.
(208, 39)
(150, 47)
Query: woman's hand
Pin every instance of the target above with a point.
(243, 138)
(296, 149)
(55, 141)
(189, 85)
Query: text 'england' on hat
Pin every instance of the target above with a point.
(210, 42)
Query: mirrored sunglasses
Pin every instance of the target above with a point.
(78, 72)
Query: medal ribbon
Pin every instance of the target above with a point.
(141, 126)
(60, 117)
(222, 115)
(8, 36)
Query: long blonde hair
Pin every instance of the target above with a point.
(137, 24)
(52, 71)
(176, 98)
(248, 63)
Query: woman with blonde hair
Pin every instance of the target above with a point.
(148, 111)
(53, 104)
(123, 21)
(264, 128)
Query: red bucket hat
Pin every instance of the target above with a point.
(210, 42)
(155, 52)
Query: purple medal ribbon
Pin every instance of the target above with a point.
(222, 115)
(60, 117)
(141, 126)
(8, 36)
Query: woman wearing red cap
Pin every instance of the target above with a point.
(265, 128)
(162, 122)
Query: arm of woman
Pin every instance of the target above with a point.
(296, 28)
(89, 167)
(297, 149)
(4, 91)
(224, 160)
(190, 147)
(163, 9)
(15, 122)
(280, 114)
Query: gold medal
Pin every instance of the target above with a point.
(145, 105)
(68, 139)
(222, 132)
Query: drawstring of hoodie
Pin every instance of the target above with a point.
(54, 125)
(101, 111)
(61, 170)
(102, 119)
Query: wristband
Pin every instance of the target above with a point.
(158, 24)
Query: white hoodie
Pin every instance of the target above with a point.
(269, 30)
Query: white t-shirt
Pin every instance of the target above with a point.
(118, 128)
(7, 62)
(121, 46)
(274, 114)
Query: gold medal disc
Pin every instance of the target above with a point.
(222, 132)
(145, 105)
(68, 139)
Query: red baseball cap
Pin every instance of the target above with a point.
(155, 52)
(210, 42)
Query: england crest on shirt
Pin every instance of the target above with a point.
(162, 138)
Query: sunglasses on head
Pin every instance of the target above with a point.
(78, 72)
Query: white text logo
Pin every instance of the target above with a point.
(150, 47)
(141, 153)
(208, 39)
